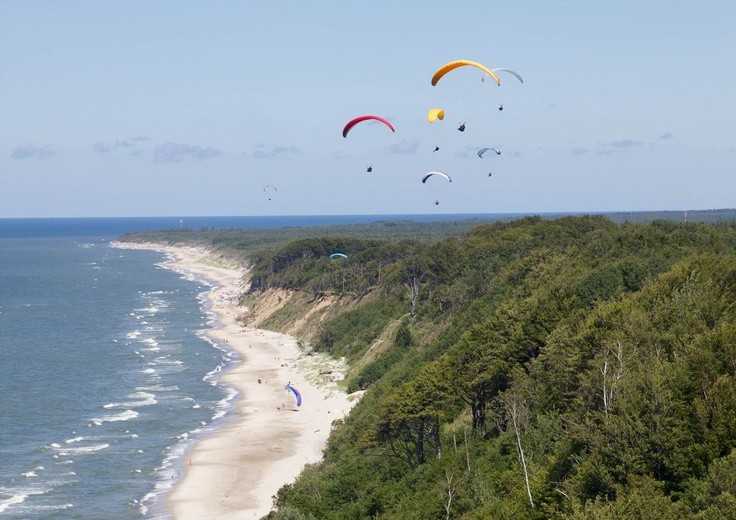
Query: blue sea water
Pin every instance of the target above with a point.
(107, 376)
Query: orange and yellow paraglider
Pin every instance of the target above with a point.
(434, 114)
(447, 67)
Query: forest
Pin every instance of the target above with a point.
(574, 368)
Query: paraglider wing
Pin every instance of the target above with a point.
(484, 150)
(339, 255)
(267, 186)
(430, 174)
(434, 114)
(510, 72)
(447, 67)
(296, 394)
(360, 119)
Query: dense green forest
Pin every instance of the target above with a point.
(537, 368)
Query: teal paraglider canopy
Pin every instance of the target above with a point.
(338, 255)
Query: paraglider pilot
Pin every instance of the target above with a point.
(370, 169)
(461, 127)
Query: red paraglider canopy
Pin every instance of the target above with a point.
(357, 120)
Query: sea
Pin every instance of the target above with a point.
(107, 374)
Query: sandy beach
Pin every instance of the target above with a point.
(234, 473)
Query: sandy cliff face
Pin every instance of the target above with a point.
(291, 312)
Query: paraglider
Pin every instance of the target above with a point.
(435, 149)
(435, 114)
(338, 255)
(430, 174)
(490, 174)
(461, 127)
(269, 187)
(360, 119)
(296, 393)
(500, 107)
(484, 150)
(447, 67)
(369, 169)
(427, 175)
(510, 72)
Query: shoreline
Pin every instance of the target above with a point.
(234, 472)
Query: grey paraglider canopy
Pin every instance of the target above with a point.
(484, 150)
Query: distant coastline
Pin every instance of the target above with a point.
(112, 227)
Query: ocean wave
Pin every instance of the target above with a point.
(224, 405)
(166, 360)
(142, 399)
(123, 416)
(17, 496)
(81, 450)
(149, 341)
(12, 499)
(157, 388)
(149, 310)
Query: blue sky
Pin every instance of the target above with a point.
(183, 108)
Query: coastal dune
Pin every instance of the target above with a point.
(234, 473)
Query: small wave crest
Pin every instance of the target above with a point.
(122, 416)
(81, 450)
(142, 399)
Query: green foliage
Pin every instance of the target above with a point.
(352, 332)
(617, 345)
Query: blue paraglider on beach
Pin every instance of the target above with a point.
(296, 394)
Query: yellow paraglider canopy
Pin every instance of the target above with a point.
(447, 67)
(434, 114)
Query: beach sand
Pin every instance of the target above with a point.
(234, 473)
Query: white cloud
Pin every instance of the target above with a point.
(178, 152)
(620, 145)
(131, 145)
(405, 146)
(278, 151)
(29, 151)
